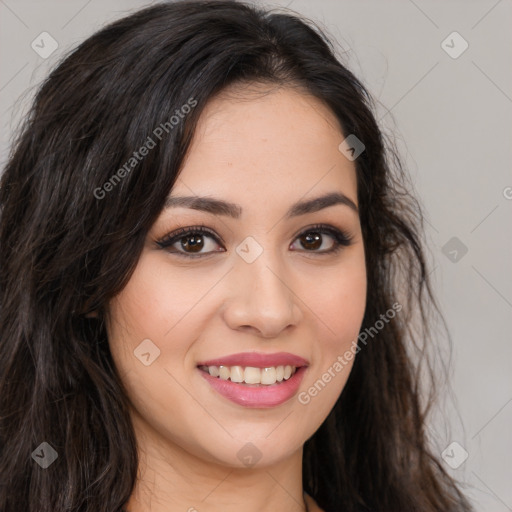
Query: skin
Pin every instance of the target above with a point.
(263, 152)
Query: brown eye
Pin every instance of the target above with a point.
(311, 241)
(193, 243)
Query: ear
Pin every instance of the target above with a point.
(92, 314)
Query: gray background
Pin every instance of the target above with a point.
(451, 118)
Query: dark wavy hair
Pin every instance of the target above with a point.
(65, 253)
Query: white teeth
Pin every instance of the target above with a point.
(237, 374)
(268, 376)
(252, 375)
(213, 371)
(224, 372)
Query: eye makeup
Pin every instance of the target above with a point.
(195, 235)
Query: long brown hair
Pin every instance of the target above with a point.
(66, 250)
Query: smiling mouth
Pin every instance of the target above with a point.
(250, 375)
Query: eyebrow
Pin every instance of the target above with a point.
(220, 207)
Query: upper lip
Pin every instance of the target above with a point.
(257, 360)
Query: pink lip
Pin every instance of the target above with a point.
(257, 396)
(257, 360)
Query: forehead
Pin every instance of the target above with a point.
(262, 141)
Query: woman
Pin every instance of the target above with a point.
(204, 255)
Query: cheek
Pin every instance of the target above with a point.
(339, 304)
(151, 317)
(153, 325)
(338, 309)
(155, 303)
(137, 318)
(344, 314)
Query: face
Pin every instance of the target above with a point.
(272, 279)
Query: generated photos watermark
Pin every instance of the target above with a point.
(144, 150)
(343, 360)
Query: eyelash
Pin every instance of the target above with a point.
(341, 239)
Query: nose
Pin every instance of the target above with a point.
(262, 299)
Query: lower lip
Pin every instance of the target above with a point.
(262, 396)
